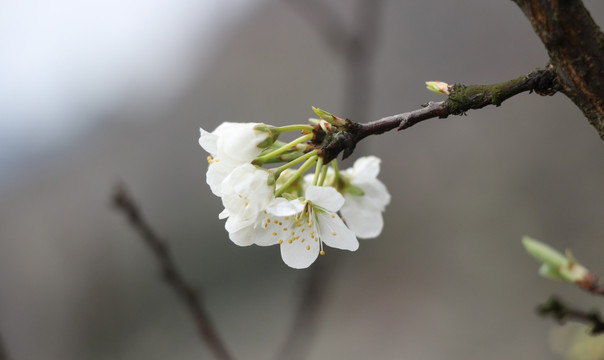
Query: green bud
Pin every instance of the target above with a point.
(438, 87)
(554, 264)
(330, 118)
(550, 272)
(544, 253)
(323, 114)
(273, 134)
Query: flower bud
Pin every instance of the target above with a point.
(330, 118)
(438, 87)
(555, 265)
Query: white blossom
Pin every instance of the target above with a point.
(245, 193)
(301, 227)
(229, 145)
(363, 209)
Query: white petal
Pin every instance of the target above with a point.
(283, 207)
(216, 174)
(242, 237)
(224, 128)
(376, 194)
(245, 191)
(208, 141)
(298, 254)
(235, 223)
(365, 169)
(265, 234)
(365, 221)
(333, 232)
(223, 214)
(240, 143)
(325, 197)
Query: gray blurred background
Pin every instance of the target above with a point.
(123, 101)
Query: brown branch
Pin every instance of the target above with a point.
(575, 45)
(462, 98)
(562, 313)
(124, 203)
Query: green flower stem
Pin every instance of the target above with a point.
(336, 170)
(316, 178)
(307, 165)
(298, 160)
(264, 158)
(323, 174)
(283, 129)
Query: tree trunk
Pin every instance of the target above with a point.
(575, 45)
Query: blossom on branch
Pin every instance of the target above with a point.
(279, 205)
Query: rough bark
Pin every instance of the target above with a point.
(575, 45)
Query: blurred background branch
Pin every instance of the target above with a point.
(562, 313)
(125, 204)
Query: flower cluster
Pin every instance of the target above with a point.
(279, 205)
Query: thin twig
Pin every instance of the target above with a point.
(562, 313)
(462, 98)
(124, 203)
